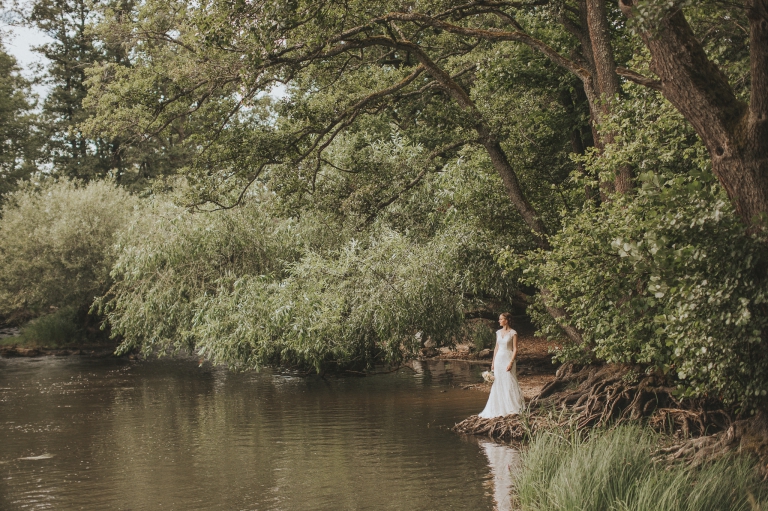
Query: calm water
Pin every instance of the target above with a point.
(80, 434)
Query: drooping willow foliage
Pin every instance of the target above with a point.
(247, 288)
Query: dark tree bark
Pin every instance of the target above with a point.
(606, 78)
(736, 134)
(601, 83)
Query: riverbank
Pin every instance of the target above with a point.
(83, 351)
(534, 368)
(534, 361)
(13, 344)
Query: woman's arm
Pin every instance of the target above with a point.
(514, 352)
(493, 361)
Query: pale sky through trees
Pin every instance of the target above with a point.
(19, 43)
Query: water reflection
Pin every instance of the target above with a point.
(171, 435)
(504, 462)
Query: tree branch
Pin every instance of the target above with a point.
(487, 138)
(434, 154)
(638, 78)
(490, 35)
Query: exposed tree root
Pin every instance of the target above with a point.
(612, 394)
(503, 428)
(741, 435)
(600, 395)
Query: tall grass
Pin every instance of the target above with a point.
(613, 470)
(58, 329)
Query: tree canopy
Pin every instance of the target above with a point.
(602, 162)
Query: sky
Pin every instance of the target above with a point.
(19, 42)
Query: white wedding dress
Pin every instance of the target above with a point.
(506, 396)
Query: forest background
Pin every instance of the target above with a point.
(331, 184)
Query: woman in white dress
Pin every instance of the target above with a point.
(506, 397)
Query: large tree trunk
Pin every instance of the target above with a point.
(735, 134)
(606, 78)
(602, 52)
(602, 85)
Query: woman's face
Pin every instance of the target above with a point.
(502, 321)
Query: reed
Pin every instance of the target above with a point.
(614, 470)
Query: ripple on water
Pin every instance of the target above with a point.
(169, 434)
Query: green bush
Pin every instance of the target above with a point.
(172, 262)
(246, 287)
(480, 334)
(355, 307)
(56, 244)
(667, 276)
(614, 471)
(56, 329)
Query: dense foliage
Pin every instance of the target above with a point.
(248, 287)
(56, 244)
(668, 277)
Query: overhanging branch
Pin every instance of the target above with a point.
(638, 78)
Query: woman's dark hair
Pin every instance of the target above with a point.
(508, 317)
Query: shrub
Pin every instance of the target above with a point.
(669, 278)
(357, 306)
(246, 288)
(171, 262)
(58, 328)
(56, 244)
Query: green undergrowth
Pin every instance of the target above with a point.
(614, 470)
(63, 328)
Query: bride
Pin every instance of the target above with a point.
(506, 397)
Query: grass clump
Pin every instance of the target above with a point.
(613, 470)
(58, 329)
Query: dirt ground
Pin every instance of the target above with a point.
(534, 362)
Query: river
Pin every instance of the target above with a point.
(170, 434)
